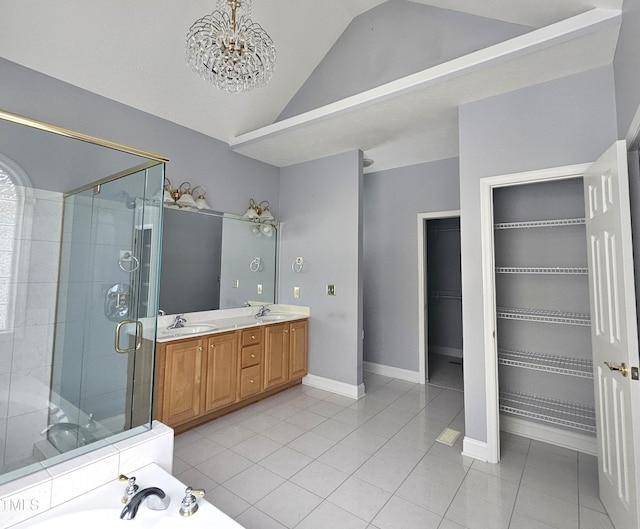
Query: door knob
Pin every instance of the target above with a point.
(624, 370)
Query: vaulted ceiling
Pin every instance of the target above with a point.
(133, 53)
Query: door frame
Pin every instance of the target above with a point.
(422, 287)
(487, 185)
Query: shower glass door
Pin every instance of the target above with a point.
(107, 307)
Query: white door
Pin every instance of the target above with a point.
(614, 334)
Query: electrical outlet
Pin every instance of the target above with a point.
(236, 283)
(259, 289)
(331, 290)
(296, 292)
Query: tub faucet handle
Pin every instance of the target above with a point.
(189, 504)
(130, 490)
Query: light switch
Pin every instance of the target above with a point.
(259, 289)
(236, 283)
(331, 290)
(296, 292)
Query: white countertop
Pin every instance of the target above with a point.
(217, 321)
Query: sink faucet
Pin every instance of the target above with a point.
(178, 322)
(156, 499)
(262, 311)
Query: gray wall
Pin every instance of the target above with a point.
(568, 121)
(321, 222)
(231, 179)
(392, 201)
(395, 39)
(627, 72)
(627, 79)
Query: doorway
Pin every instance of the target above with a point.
(440, 299)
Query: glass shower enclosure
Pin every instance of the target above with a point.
(81, 225)
(106, 293)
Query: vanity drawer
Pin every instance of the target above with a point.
(251, 356)
(250, 381)
(251, 336)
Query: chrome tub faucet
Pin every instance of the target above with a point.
(156, 500)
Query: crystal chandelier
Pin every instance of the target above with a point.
(229, 50)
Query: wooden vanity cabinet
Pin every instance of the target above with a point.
(276, 355)
(182, 376)
(199, 379)
(285, 352)
(250, 372)
(221, 359)
(298, 348)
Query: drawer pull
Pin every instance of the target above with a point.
(251, 381)
(199, 348)
(253, 337)
(213, 346)
(253, 356)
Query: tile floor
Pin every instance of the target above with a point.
(445, 371)
(309, 459)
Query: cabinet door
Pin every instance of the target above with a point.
(221, 369)
(183, 371)
(276, 355)
(298, 349)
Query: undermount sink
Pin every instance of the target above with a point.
(189, 329)
(274, 317)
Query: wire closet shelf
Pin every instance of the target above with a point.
(544, 409)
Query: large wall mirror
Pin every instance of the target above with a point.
(213, 260)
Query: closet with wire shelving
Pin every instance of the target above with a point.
(545, 368)
(444, 302)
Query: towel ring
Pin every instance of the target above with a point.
(126, 257)
(297, 265)
(255, 265)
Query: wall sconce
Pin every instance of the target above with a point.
(182, 196)
(264, 219)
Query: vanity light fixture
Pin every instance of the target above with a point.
(263, 218)
(186, 198)
(182, 196)
(201, 203)
(229, 50)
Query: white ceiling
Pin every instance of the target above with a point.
(133, 52)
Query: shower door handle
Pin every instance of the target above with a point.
(138, 344)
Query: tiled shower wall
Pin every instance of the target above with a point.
(30, 223)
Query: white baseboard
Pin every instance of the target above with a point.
(475, 449)
(394, 372)
(548, 434)
(334, 386)
(445, 351)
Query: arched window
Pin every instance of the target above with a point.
(12, 186)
